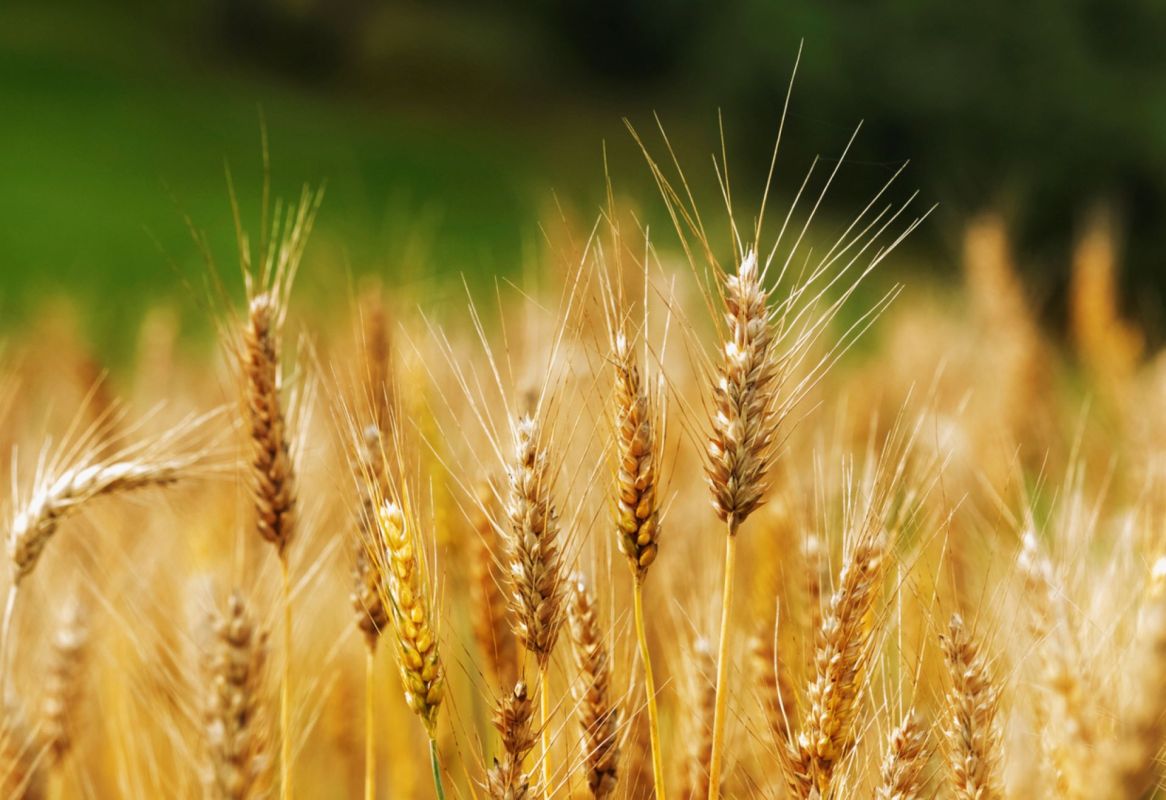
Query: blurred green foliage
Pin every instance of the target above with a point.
(445, 125)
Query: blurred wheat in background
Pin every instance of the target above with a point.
(720, 509)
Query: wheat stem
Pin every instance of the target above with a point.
(370, 766)
(649, 690)
(723, 665)
(544, 725)
(436, 769)
(9, 608)
(285, 788)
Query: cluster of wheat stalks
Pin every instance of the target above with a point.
(651, 525)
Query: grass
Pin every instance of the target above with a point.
(108, 151)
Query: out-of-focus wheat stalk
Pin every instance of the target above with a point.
(238, 762)
(64, 687)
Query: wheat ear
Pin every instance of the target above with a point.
(637, 513)
(740, 447)
(901, 776)
(507, 780)
(235, 731)
(422, 671)
(536, 568)
(1133, 758)
(1069, 732)
(598, 717)
(64, 494)
(272, 476)
(973, 740)
(64, 684)
(843, 652)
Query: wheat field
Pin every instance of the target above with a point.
(714, 511)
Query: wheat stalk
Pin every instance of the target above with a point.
(973, 740)
(236, 738)
(741, 445)
(598, 717)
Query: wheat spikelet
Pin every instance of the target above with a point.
(843, 651)
(59, 496)
(272, 471)
(744, 420)
(422, 673)
(901, 776)
(637, 510)
(507, 780)
(532, 545)
(598, 717)
(973, 740)
(236, 736)
(63, 688)
(491, 629)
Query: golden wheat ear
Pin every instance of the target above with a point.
(513, 719)
(972, 737)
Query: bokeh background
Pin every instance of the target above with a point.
(446, 129)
